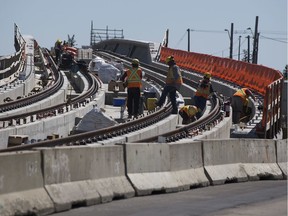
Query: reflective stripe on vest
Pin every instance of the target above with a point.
(133, 77)
(241, 93)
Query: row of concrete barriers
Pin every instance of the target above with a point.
(48, 180)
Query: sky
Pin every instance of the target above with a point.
(147, 20)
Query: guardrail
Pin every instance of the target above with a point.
(266, 81)
(9, 65)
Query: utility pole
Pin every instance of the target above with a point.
(239, 48)
(248, 49)
(231, 40)
(188, 30)
(91, 33)
(167, 37)
(230, 34)
(255, 43)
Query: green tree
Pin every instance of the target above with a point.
(71, 41)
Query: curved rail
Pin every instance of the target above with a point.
(130, 126)
(33, 98)
(94, 84)
(192, 129)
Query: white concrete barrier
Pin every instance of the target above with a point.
(164, 167)
(85, 175)
(187, 165)
(281, 146)
(237, 160)
(21, 185)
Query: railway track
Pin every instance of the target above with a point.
(93, 82)
(157, 75)
(48, 90)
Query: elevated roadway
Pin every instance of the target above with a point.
(60, 178)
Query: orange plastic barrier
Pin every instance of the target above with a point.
(256, 77)
(265, 81)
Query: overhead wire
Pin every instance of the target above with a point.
(241, 32)
(181, 39)
(274, 39)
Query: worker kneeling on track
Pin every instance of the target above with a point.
(188, 113)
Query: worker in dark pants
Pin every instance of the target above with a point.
(202, 93)
(133, 78)
(240, 103)
(58, 50)
(173, 83)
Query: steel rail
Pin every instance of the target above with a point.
(33, 98)
(94, 84)
(117, 130)
(191, 129)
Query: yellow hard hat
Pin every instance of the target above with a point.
(169, 59)
(135, 62)
(192, 110)
(59, 41)
(207, 75)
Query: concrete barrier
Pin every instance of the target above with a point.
(237, 160)
(164, 167)
(281, 146)
(85, 175)
(21, 185)
(187, 165)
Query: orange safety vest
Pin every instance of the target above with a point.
(170, 79)
(203, 92)
(241, 93)
(134, 77)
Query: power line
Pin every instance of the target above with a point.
(243, 32)
(246, 31)
(181, 39)
(274, 39)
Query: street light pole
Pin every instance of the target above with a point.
(255, 43)
(249, 54)
(188, 30)
(239, 47)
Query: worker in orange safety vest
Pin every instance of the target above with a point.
(133, 78)
(240, 103)
(202, 93)
(173, 83)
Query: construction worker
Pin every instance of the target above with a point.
(133, 78)
(58, 50)
(202, 93)
(188, 113)
(173, 83)
(240, 103)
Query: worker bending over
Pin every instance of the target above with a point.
(240, 103)
(188, 113)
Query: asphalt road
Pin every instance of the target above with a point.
(259, 198)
